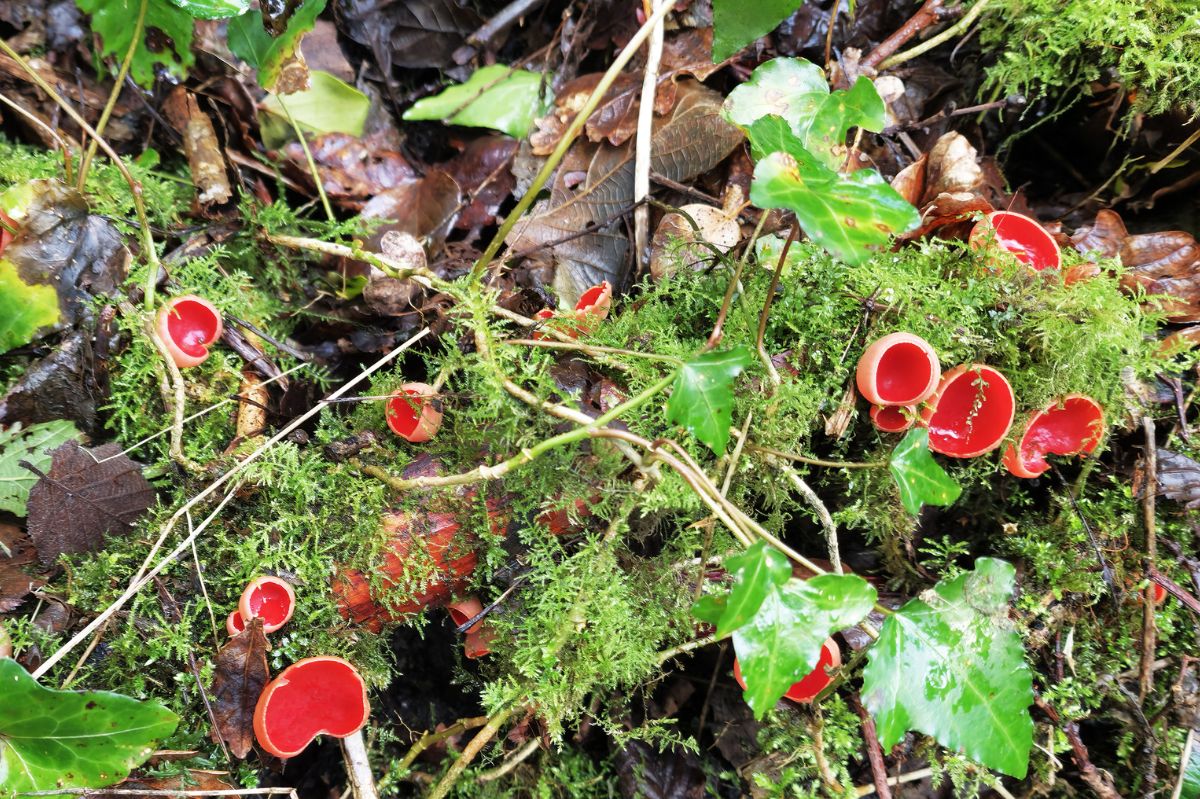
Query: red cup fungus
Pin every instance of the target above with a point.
(414, 412)
(1070, 426)
(595, 301)
(269, 598)
(970, 413)
(898, 369)
(464, 610)
(234, 624)
(311, 697)
(543, 317)
(479, 640)
(1160, 593)
(187, 326)
(1019, 235)
(893, 418)
(814, 682)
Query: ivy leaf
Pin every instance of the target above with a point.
(950, 665)
(860, 107)
(32, 445)
(213, 9)
(71, 739)
(755, 572)
(496, 97)
(249, 40)
(782, 643)
(921, 479)
(25, 308)
(112, 21)
(849, 215)
(702, 399)
(792, 89)
(737, 23)
(710, 608)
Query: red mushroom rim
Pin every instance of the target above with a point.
(192, 325)
(970, 413)
(1021, 236)
(596, 299)
(812, 683)
(898, 369)
(269, 598)
(405, 412)
(892, 418)
(1071, 427)
(314, 696)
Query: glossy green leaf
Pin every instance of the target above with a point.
(950, 665)
(921, 479)
(327, 106)
(113, 22)
(737, 23)
(71, 739)
(250, 42)
(25, 308)
(213, 9)
(782, 643)
(710, 608)
(496, 97)
(32, 445)
(790, 88)
(702, 399)
(1188, 786)
(849, 215)
(860, 106)
(755, 573)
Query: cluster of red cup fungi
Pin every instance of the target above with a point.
(315, 696)
(590, 310)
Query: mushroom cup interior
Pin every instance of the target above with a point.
(404, 412)
(974, 412)
(1073, 427)
(1025, 239)
(321, 696)
(192, 326)
(903, 373)
(270, 601)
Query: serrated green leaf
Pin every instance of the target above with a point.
(31, 445)
(249, 40)
(782, 643)
(71, 739)
(213, 9)
(755, 573)
(702, 398)
(327, 106)
(951, 665)
(112, 21)
(860, 107)
(790, 88)
(25, 308)
(921, 479)
(495, 96)
(849, 215)
(737, 23)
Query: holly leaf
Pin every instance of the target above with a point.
(950, 665)
(792, 89)
(921, 479)
(849, 215)
(249, 40)
(239, 676)
(782, 643)
(755, 572)
(112, 21)
(71, 739)
(32, 445)
(25, 308)
(860, 107)
(737, 23)
(702, 399)
(495, 96)
(213, 9)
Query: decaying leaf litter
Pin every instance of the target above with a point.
(870, 472)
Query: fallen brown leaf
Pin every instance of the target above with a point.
(201, 146)
(16, 552)
(239, 675)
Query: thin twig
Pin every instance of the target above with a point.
(86, 162)
(1149, 492)
(766, 309)
(481, 739)
(816, 461)
(430, 738)
(934, 41)
(879, 775)
(718, 331)
(312, 162)
(823, 515)
(511, 762)
(926, 15)
(358, 766)
(644, 141)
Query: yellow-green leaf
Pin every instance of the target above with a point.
(25, 308)
(496, 97)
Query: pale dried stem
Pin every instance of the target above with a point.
(645, 139)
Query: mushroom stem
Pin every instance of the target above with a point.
(358, 766)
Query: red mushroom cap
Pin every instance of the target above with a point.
(311, 697)
(478, 642)
(269, 598)
(234, 624)
(1019, 235)
(814, 682)
(1071, 426)
(187, 326)
(414, 413)
(898, 369)
(970, 413)
(893, 418)
(595, 301)
(464, 610)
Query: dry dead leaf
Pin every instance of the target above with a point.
(16, 553)
(239, 675)
(675, 241)
(205, 161)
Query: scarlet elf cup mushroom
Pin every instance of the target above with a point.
(971, 411)
(414, 412)
(270, 599)
(1073, 425)
(893, 418)
(807, 689)
(898, 369)
(311, 697)
(1016, 233)
(188, 325)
